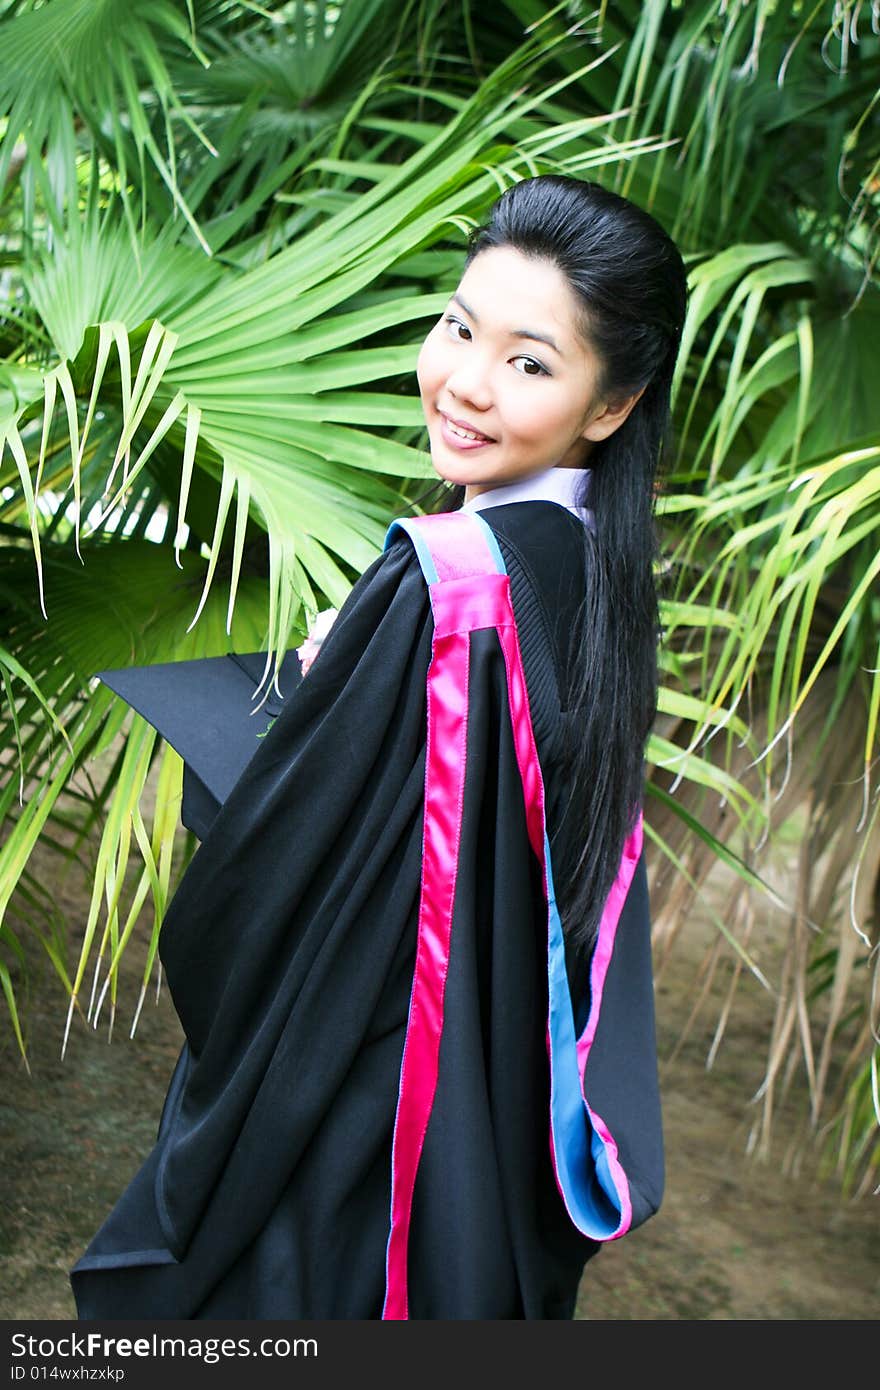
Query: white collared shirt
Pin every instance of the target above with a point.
(550, 485)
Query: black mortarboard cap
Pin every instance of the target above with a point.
(206, 710)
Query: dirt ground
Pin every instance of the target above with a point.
(735, 1238)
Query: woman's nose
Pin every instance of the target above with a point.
(469, 382)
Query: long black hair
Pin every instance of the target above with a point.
(631, 285)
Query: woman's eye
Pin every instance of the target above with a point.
(530, 367)
(456, 329)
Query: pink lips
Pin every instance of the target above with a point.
(455, 441)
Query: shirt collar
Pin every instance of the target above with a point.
(550, 485)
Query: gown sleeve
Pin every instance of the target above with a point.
(286, 948)
(289, 948)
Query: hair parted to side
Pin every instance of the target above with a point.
(631, 284)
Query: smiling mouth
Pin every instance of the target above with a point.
(464, 431)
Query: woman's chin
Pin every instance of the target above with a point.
(450, 473)
(460, 471)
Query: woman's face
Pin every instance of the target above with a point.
(508, 385)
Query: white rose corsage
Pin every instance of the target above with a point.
(318, 629)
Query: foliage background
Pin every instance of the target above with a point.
(224, 230)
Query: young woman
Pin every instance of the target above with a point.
(412, 955)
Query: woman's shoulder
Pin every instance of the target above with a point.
(536, 524)
(546, 537)
(546, 550)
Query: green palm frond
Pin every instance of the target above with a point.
(219, 255)
(48, 61)
(114, 610)
(260, 365)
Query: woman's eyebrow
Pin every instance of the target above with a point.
(514, 332)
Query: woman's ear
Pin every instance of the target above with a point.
(610, 416)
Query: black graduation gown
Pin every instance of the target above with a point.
(289, 951)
